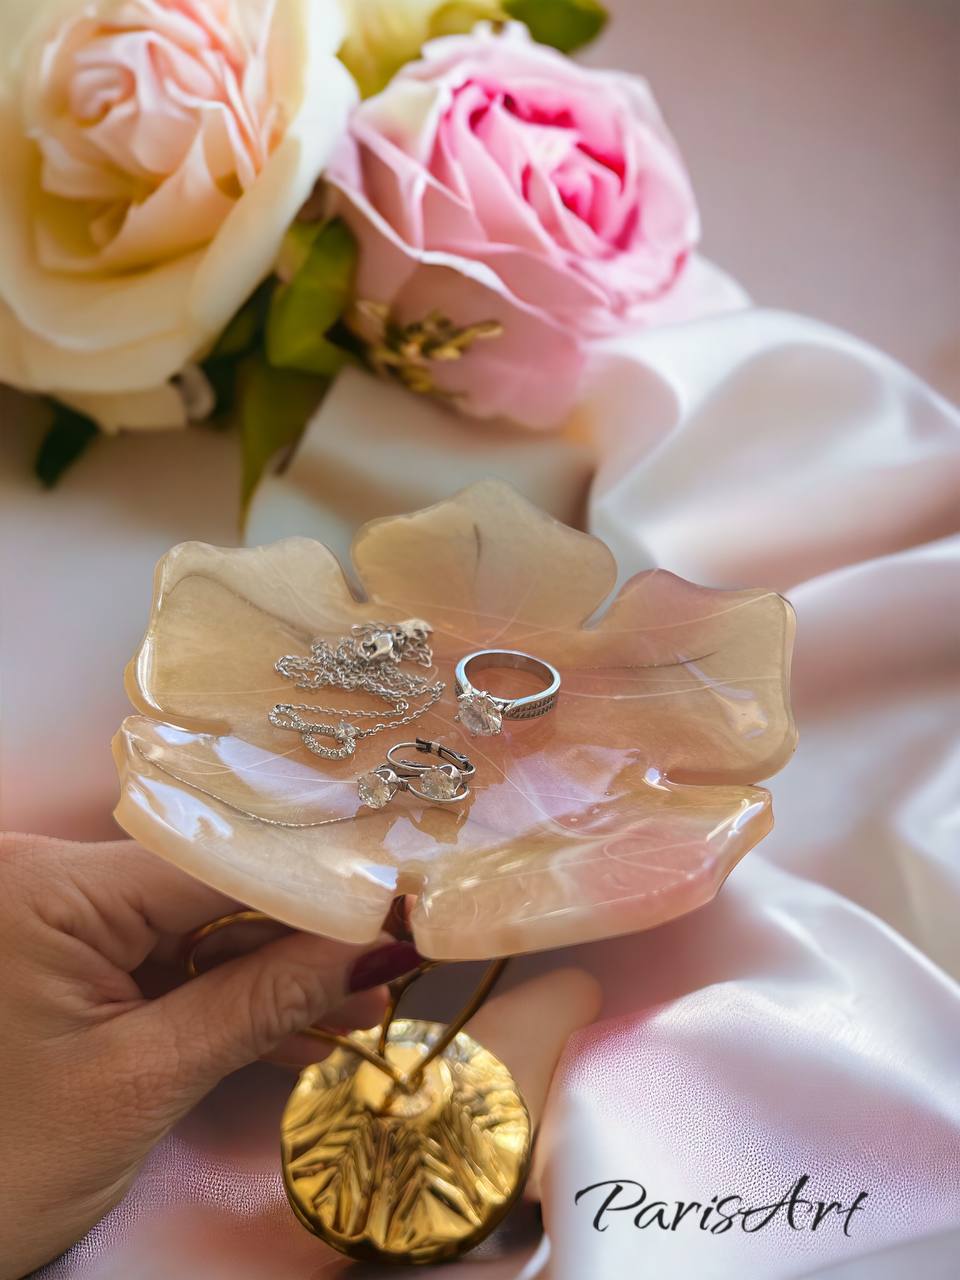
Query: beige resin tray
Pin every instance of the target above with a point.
(625, 807)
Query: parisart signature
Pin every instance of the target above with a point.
(717, 1215)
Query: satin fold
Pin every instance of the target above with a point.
(783, 1031)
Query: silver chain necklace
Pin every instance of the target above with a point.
(368, 661)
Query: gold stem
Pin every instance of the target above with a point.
(473, 1005)
(398, 989)
(193, 941)
(361, 1050)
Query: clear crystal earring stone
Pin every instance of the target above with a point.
(479, 714)
(441, 783)
(376, 789)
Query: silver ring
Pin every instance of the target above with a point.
(482, 713)
(444, 783)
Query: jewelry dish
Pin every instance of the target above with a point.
(626, 806)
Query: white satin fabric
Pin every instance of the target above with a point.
(808, 1022)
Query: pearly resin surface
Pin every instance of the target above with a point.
(625, 807)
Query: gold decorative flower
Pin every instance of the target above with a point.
(626, 806)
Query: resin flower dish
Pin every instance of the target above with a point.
(625, 807)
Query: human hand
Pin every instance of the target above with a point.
(93, 1073)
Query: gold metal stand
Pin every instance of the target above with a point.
(410, 1142)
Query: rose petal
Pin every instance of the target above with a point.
(500, 376)
(561, 182)
(160, 409)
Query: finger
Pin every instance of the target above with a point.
(164, 969)
(239, 939)
(171, 900)
(120, 899)
(244, 1009)
(528, 1026)
(358, 1012)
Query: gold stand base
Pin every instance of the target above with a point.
(410, 1142)
(415, 1171)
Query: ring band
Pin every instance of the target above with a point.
(483, 713)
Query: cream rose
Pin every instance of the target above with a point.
(155, 152)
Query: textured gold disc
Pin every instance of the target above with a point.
(388, 1174)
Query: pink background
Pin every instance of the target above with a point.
(822, 139)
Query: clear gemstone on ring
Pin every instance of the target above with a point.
(479, 714)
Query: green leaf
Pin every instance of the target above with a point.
(303, 311)
(296, 246)
(70, 435)
(567, 25)
(459, 17)
(221, 373)
(275, 405)
(242, 334)
(244, 329)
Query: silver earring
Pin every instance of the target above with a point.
(444, 783)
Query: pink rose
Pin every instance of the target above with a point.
(497, 183)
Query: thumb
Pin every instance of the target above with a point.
(243, 1009)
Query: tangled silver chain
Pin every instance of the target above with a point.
(366, 661)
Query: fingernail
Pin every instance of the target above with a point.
(396, 922)
(378, 967)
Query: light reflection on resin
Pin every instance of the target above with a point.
(626, 806)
